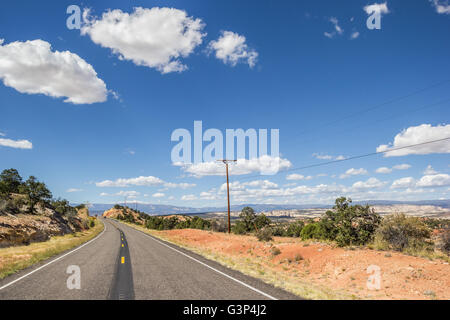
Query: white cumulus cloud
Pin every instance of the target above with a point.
(158, 195)
(430, 171)
(263, 184)
(442, 7)
(144, 181)
(16, 144)
(383, 170)
(182, 185)
(403, 166)
(403, 183)
(353, 172)
(128, 194)
(189, 197)
(296, 176)
(32, 67)
(156, 37)
(263, 164)
(231, 48)
(327, 157)
(371, 183)
(417, 135)
(377, 7)
(436, 180)
(122, 193)
(125, 182)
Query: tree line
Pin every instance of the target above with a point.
(31, 193)
(354, 225)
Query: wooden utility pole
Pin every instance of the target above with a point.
(228, 191)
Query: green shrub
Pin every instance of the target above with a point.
(402, 233)
(80, 206)
(298, 257)
(294, 229)
(275, 251)
(264, 234)
(198, 223)
(10, 181)
(239, 228)
(349, 224)
(164, 223)
(219, 225)
(36, 193)
(91, 223)
(446, 241)
(279, 231)
(63, 207)
(312, 231)
(433, 223)
(261, 221)
(250, 222)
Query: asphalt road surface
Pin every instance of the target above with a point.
(124, 263)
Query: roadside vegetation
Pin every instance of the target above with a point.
(320, 258)
(349, 225)
(330, 257)
(16, 258)
(33, 197)
(29, 213)
(175, 222)
(346, 225)
(129, 215)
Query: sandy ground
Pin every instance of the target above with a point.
(320, 270)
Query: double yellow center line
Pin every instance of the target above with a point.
(122, 260)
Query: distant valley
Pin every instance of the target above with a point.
(431, 208)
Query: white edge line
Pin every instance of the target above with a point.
(49, 263)
(214, 269)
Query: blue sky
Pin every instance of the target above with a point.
(300, 67)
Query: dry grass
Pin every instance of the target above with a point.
(13, 259)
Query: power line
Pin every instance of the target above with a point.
(377, 106)
(352, 158)
(361, 124)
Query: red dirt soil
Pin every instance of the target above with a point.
(339, 269)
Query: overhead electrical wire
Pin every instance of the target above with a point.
(348, 158)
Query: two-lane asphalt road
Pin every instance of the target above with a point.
(124, 263)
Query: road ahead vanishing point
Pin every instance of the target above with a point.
(124, 263)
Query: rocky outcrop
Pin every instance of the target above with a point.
(124, 213)
(23, 229)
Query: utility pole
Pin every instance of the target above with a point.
(228, 191)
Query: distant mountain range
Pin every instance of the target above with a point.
(158, 209)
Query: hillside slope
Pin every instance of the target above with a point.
(23, 228)
(125, 213)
